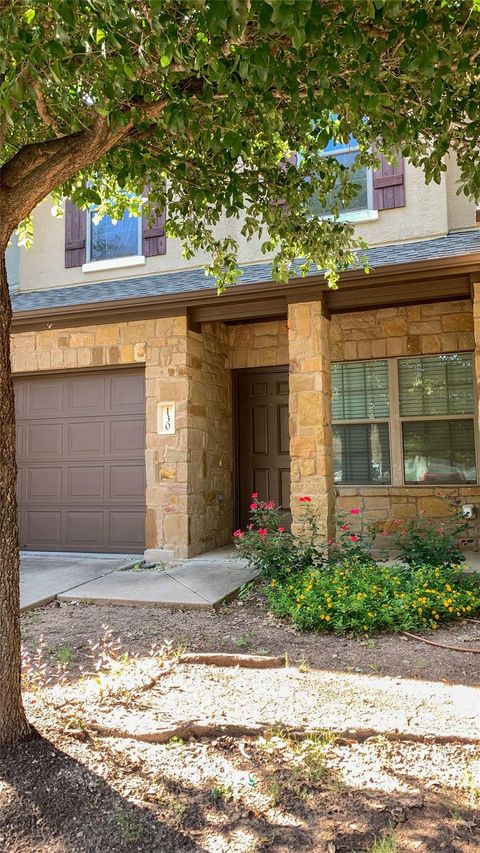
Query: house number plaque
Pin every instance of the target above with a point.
(166, 418)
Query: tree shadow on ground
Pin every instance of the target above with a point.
(60, 805)
(52, 802)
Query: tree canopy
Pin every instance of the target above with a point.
(203, 100)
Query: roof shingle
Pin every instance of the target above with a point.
(191, 280)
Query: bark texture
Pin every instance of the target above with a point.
(13, 722)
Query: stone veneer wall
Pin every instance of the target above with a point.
(211, 439)
(189, 474)
(389, 332)
(310, 414)
(259, 344)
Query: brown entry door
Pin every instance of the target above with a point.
(81, 461)
(263, 439)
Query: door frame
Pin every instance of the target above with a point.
(236, 374)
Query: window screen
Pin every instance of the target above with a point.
(436, 385)
(110, 239)
(360, 390)
(361, 453)
(439, 451)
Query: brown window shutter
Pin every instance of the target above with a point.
(75, 235)
(154, 239)
(389, 185)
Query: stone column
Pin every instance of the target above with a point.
(167, 456)
(476, 332)
(189, 473)
(310, 413)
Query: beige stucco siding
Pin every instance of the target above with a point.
(430, 211)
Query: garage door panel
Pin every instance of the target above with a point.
(81, 460)
(86, 437)
(44, 441)
(86, 483)
(19, 438)
(86, 394)
(126, 527)
(84, 529)
(44, 399)
(43, 529)
(127, 437)
(127, 394)
(127, 483)
(20, 399)
(43, 484)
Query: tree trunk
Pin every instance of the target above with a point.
(13, 722)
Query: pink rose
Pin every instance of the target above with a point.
(253, 506)
(344, 527)
(355, 512)
(281, 529)
(254, 495)
(385, 533)
(238, 534)
(263, 531)
(354, 538)
(269, 505)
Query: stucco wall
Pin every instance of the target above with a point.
(425, 215)
(461, 210)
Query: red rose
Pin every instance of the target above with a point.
(305, 500)
(355, 511)
(354, 538)
(263, 531)
(253, 506)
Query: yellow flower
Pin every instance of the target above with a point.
(327, 618)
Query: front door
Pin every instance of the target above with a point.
(263, 439)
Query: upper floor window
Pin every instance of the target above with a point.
(407, 421)
(107, 239)
(361, 206)
(106, 244)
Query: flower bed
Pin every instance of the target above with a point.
(367, 598)
(338, 585)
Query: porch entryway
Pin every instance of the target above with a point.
(263, 443)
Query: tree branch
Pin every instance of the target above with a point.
(42, 106)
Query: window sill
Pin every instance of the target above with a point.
(114, 263)
(356, 216)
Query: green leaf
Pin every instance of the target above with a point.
(29, 16)
(165, 60)
(100, 35)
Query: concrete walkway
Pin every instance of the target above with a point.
(43, 576)
(200, 583)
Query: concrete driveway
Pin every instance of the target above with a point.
(44, 576)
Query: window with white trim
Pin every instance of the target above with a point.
(406, 421)
(361, 206)
(107, 240)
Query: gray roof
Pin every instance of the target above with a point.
(191, 280)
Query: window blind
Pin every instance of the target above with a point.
(361, 453)
(436, 385)
(360, 390)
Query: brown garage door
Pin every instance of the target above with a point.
(81, 460)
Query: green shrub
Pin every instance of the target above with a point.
(424, 542)
(274, 551)
(367, 598)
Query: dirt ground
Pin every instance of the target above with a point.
(368, 745)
